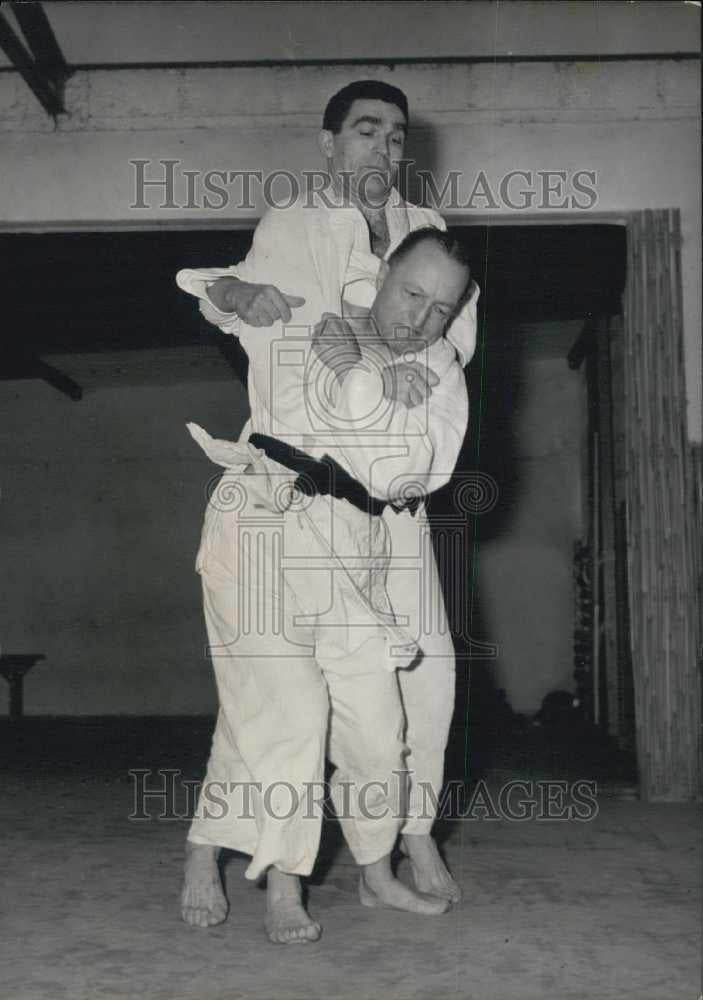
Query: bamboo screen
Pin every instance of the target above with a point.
(663, 527)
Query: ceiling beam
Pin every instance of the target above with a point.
(41, 39)
(47, 89)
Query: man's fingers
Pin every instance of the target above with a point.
(265, 313)
(426, 374)
(269, 305)
(278, 303)
(417, 379)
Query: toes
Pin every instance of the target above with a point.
(451, 890)
(294, 935)
(198, 916)
(192, 916)
(446, 891)
(283, 935)
(312, 933)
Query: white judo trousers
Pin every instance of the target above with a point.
(296, 682)
(428, 687)
(290, 693)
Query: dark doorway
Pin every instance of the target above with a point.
(544, 428)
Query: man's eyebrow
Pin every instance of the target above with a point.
(373, 120)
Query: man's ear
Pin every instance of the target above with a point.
(325, 141)
(382, 273)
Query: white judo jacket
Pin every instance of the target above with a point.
(316, 251)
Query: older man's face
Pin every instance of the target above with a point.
(367, 149)
(419, 296)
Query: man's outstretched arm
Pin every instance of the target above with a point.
(229, 294)
(256, 304)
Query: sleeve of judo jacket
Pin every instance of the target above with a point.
(197, 281)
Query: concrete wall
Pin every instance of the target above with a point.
(102, 504)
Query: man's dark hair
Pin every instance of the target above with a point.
(361, 90)
(443, 238)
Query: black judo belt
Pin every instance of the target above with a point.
(325, 477)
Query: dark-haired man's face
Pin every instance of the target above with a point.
(366, 151)
(418, 296)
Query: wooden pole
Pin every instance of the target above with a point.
(663, 532)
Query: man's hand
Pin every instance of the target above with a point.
(256, 305)
(409, 383)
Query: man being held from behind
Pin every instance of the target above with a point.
(396, 350)
(278, 706)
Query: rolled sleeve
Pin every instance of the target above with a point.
(197, 282)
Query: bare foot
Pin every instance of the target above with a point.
(378, 888)
(286, 920)
(430, 873)
(203, 903)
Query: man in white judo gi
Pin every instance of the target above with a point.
(311, 249)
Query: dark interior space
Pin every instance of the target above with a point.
(126, 299)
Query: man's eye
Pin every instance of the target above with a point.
(367, 133)
(397, 141)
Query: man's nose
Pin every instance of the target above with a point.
(382, 144)
(419, 316)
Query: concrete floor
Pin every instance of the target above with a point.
(607, 908)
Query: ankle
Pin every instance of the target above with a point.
(377, 871)
(282, 885)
